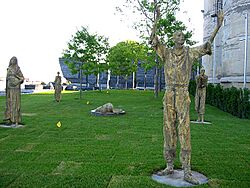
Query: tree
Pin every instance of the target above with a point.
(123, 59)
(145, 14)
(139, 55)
(146, 11)
(147, 61)
(85, 53)
(101, 54)
(120, 59)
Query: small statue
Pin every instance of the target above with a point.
(107, 109)
(58, 87)
(14, 79)
(178, 63)
(200, 95)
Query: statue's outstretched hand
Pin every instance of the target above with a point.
(158, 12)
(220, 18)
(153, 36)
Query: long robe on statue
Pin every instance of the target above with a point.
(58, 88)
(14, 80)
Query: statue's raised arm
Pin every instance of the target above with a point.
(205, 49)
(220, 18)
(154, 41)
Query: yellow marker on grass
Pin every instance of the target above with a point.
(58, 124)
(87, 102)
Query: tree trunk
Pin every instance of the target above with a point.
(80, 83)
(160, 79)
(87, 80)
(98, 81)
(117, 82)
(145, 80)
(126, 82)
(156, 82)
(134, 81)
(108, 80)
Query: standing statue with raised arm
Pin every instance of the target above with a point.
(178, 63)
(200, 95)
(58, 87)
(14, 79)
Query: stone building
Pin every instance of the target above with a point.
(229, 63)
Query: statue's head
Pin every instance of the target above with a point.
(179, 38)
(13, 61)
(58, 73)
(202, 71)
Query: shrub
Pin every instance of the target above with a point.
(232, 100)
(192, 87)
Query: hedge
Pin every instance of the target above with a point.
(232, 100)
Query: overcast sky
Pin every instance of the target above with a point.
(37, 31)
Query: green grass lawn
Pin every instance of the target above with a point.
(121, 151)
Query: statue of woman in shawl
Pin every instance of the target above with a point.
(58, 87)
(14, 80)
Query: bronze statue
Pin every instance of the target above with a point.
(178, 63)
(14, 80)
(200, 95)
(58, 87)
(107, 109)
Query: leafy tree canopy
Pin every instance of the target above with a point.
(121, 58)
(145, 12)
(125, 56)
(87, 52)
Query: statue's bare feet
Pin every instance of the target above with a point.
(202, 118)
(198, 119)
(189, 178)
(8, 122)
(165, 172)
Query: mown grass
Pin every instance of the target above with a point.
(121, 151)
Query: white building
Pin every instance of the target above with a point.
(230, 62)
